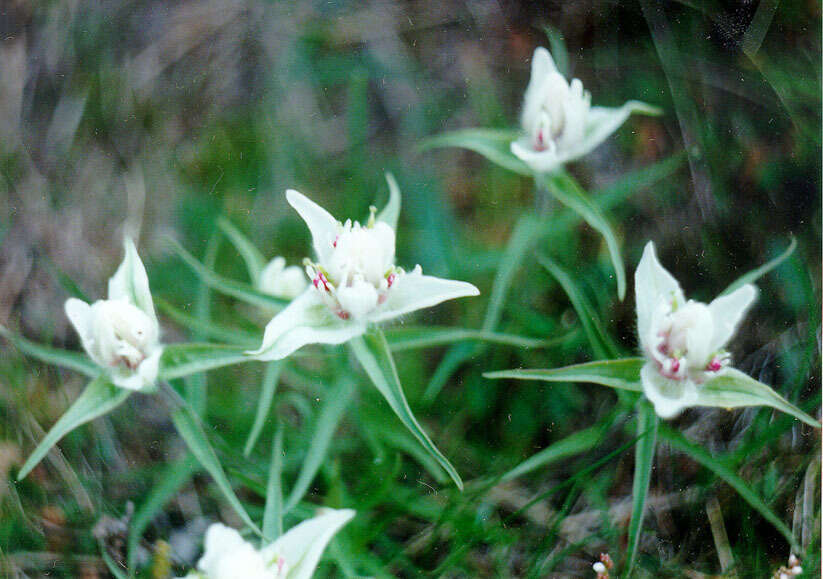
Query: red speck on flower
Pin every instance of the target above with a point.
(541, 143)
(321, 279)
(390, 279)
(714, 365)
(343, 315)
(334, 243)
(675, 366)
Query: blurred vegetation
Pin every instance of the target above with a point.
(155, 119)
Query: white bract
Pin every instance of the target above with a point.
(683, 340)
(121, 333)
(354, 281)
(282, 281)
(294, 555)
(559, 122)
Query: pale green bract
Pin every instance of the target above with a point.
(294, 555)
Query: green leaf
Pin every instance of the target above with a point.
(566, 190)
(65, 358)
(207, 328)
(643, 463)
(415, 337)
(601, 344)
(573, 444)
(188, 426)
(494, 144)
(717, 466)
(115, 569)
(756, 274)
(372, 351)
(623, 373)
(267, 391)
(273, 510)
(99, 398)
(239, 290)
(559, 53)
(180, 360)
(327, 422)
(733, 388)
(255, 262)
(167, 483)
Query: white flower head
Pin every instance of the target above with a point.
(354, 281)
(683, 340)
(282, 281)
(294, 555)
(121, 334)
(558, 121)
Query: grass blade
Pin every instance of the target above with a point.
(99, 398)
(255, 262)
(601, 344)
(168, 482)
(702, 456)
(372, 351)
(188, 426)
(759, 272)
(412, 338)
(494, 144)
(207, 328)
(239, 290)
(273, 511)
(643, 463)
(267, 391)
(326, 426)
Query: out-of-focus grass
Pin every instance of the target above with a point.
(153, 118)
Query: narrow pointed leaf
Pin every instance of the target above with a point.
(273, 510)
(411, 338)
(76, 361)
(601, 344)
(734, 388)
(572, 445)
(494, 144)
(373, 353)
(183, 359)
(188, 426)
(170, 479)
(643, 463)
(759, 272)
(623, 373)
(99, 398)
(718, 467)
(327, 422)
(208, 328)
(239, 290)
(254, 260)
(569, 193)
(267, 391)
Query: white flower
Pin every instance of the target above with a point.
(559, 122)
(294, 555)
(121, 334)
(683, 341)
(280, 281)
(354, 282)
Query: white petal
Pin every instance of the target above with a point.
(601, 122)
(542, 63)
(698, 336)
(538, 161)
(220, 540)
(413, 291)
(306, 320)
(303, 545)
(669, 397)
(391, 212)
(727, 312)
(358, 299)
(324, 228)
(80, 316)
(652, 283)
(131, 283)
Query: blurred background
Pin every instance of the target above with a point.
(155, 118)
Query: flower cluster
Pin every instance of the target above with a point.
(121, 334)
(281, 281)
(683, 340)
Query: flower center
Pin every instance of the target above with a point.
(124, 333)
